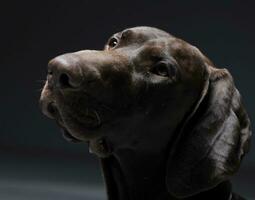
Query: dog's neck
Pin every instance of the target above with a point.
(124, 184)
(136, 176)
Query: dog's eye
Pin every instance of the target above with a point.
(113, 42)
(161, 69)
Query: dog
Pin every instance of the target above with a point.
(164, 121)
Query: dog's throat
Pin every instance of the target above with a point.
(115, 181)
(131, 185)
(100, 147)
(124, 182)
(131, 176)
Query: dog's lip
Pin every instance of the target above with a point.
(67, 133)
(69, 137)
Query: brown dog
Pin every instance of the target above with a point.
(165, 122)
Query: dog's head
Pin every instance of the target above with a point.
(147, 81)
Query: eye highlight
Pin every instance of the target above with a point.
(113, 42)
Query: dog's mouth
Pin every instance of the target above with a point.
(77, 127)
(90, 119)
(80, 117)
(70, 138)
(77, 124)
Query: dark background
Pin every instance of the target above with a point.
(36, 163)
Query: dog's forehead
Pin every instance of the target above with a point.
(153, 48)
(153, 38)
(149, 32)
(143, 32)
(169, 46)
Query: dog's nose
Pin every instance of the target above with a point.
(64, 72)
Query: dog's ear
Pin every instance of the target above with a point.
(213, 140)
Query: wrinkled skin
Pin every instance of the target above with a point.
(133, 101)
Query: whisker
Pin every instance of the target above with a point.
(41, 81)
(39, 90)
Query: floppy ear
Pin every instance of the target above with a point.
(213, 141)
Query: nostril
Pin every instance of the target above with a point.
(49, 109)
(64, 81)
(49, 72)
(52, 110)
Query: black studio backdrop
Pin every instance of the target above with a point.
(31, 146)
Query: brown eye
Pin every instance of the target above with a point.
(113, 42)
(161, 69)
